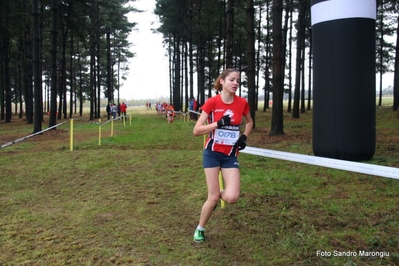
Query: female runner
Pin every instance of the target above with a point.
(223, 113)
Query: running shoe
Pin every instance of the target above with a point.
(199, 236)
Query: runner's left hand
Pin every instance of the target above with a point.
(241, 142)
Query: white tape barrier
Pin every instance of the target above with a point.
(109, 121)
(180, 113)
(34, 134)
(190, 111)
(370, 169)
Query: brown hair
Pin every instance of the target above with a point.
(223, 76)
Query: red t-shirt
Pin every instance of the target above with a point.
(123, 107)
(223, 139)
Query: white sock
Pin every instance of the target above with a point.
(200, 228)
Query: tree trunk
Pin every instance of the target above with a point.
(229, 33)
(6, 58)
(80, 86)
(258, 59)
(381, 51)
(278, 79)
(171, 66)
(396, 72)
(176, 87)
(300, 35)
(268, 54)
(191, 60)
(289, 108)
(53, 70)
(20, 82)
(2, 92)
(63, 89)
(285, 35)
(28, 80)
(98, 75)
(41, 23)
(186, 85)
(109, 72)
(37, 72)
(92, 63)
(71, 77)
(251, 57)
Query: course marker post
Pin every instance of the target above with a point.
(221, 188)
(112, 127)
(99, 132)
(71, 134)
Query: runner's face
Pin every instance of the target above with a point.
(231, 82)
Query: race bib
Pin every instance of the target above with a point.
(226, 137)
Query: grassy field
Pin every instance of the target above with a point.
(135, 200)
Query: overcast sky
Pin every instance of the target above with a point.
(148, 74)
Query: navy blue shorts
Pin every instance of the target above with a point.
(216, 159)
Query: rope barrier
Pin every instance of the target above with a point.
(364, 168)
(32, 135)
(123, 118)
(117, 118)
(182, 115)
(190, 111)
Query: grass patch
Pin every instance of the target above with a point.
(135, 200)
